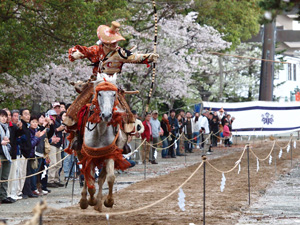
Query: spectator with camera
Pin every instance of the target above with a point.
(35, 135)
(55, 152)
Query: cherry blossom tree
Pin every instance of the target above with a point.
(183, 46)
(50, 83)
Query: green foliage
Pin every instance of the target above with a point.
(238, 20)
(36, 32)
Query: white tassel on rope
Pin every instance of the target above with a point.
(223, 182)
(44, 172)
(295, 144)
(175, 144)
(288, 148)
(238, 162)
(155, 154)
(257, 165)
(107, 218)
(97, 171)
(280, 153)
(181, 199)
(270, 160)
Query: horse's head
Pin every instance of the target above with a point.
(105, 99)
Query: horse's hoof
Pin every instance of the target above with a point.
(93, 201)
(109, 203)
(83, 203)
(98, 208)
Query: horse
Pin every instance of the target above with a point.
(103, 143)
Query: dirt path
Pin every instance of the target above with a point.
(221, 207)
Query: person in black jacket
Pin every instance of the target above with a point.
(174, 130)
(214, 127)
(40, 151)
(25, 147)
(164, 123)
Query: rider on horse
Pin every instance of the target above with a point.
(107, 57)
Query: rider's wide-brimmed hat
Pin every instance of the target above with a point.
(109, 34)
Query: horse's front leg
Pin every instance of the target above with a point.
(92, 200)
(101, 180)
(83, 201)
(109, 201)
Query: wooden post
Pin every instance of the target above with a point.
(248, 170)
(204, 165)
(267, 68)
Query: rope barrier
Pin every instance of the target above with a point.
(163, 139)
(38, 211)
(287, 143)
(31, 175)
(168, 145)
(266, 156)
(228, 171)
(171, 193)
(133, 210)
(140, 144)
(188, 140)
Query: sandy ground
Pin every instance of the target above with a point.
(221, 207)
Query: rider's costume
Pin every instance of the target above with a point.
(109, 64)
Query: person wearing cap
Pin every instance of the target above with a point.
(54, 154)
(56, 107)
(106, 57)
(155, 126)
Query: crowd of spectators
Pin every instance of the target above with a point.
(29, 144)
(32, 142)
(180, 133)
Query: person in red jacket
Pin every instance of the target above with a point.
(147, 134)
(226, 134)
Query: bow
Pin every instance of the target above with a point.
(154, 51)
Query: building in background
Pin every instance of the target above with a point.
(287, 78)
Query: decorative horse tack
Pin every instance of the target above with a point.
(102, 146)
